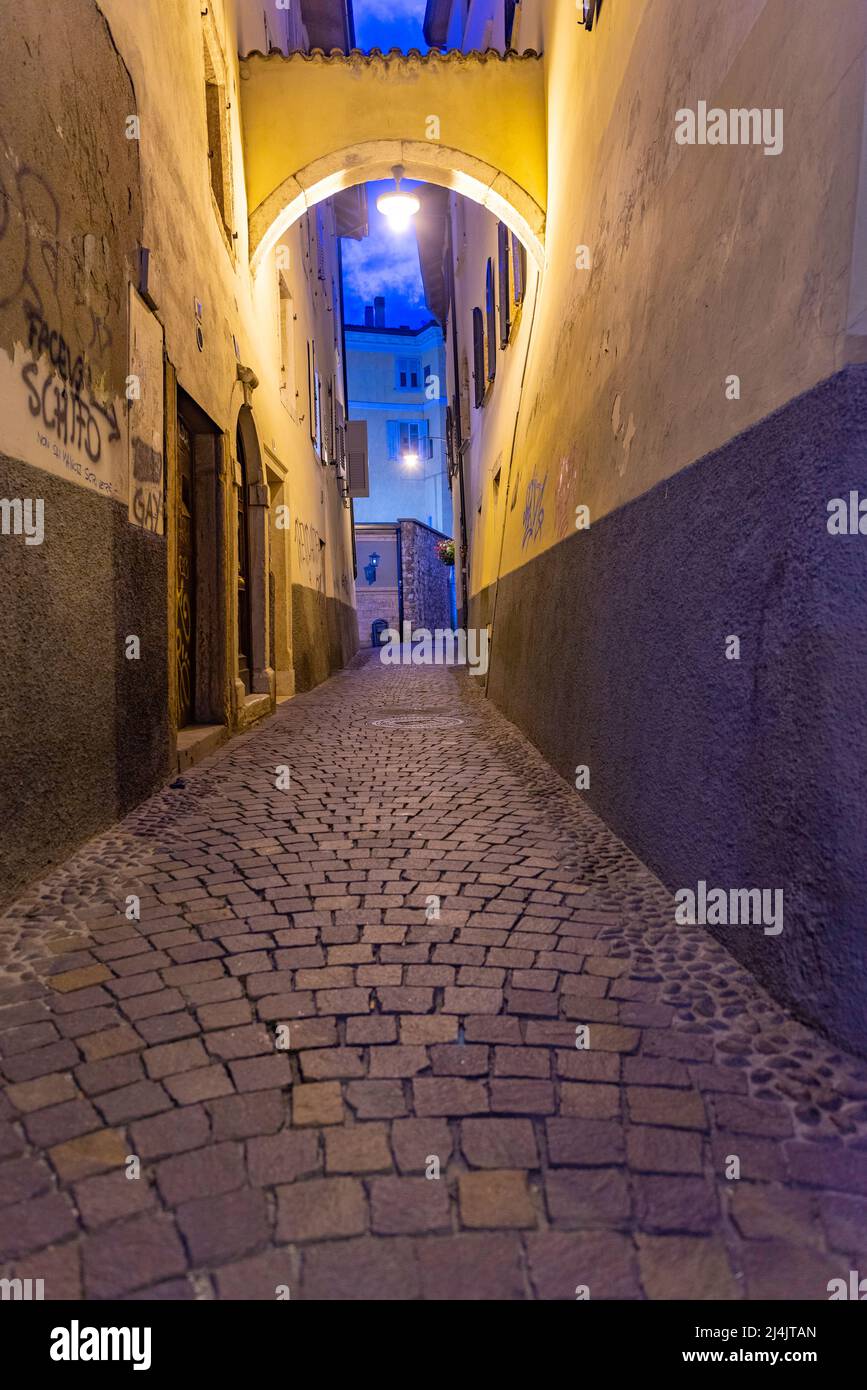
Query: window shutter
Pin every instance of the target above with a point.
(503, 278)
(320, 244)
(311, 389)
(478, 356)
(490, 322)
(519, 269)
(393, 439)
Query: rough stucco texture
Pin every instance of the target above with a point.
(83, 730)
(324, 635)
(609, 651)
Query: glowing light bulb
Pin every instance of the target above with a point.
(397, 207)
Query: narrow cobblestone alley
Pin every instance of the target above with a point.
(415, 1041)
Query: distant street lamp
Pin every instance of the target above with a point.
(398, 208)
(412, 459)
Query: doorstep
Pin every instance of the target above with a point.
(198, 741)
(252, 709)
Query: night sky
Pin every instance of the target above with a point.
(385, 262)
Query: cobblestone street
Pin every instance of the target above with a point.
(415, 1041)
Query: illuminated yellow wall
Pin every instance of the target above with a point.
(706, 262)
(192, 258)
(474, 123)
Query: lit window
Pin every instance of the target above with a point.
(408, 439)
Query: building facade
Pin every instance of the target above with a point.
(397, 384)
(172, 423)
(649, 433)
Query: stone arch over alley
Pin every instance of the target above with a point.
(473, 122)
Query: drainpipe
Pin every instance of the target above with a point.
(398, 533)
(462, 617)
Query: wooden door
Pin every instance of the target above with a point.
(185, 585)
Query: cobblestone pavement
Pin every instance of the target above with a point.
(412, 1040)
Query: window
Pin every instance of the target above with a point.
(407, 374)
(216, 113)
(479, 382)
(409, 437)
(490, 323)
(503, 283)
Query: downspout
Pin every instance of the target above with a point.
(462, 617)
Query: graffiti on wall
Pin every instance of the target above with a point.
(534, 511)
(145, 389)
(310, 551)
(57, 409)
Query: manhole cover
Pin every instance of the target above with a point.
(418, 721)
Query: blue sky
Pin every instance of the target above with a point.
(389, 23)
(386, 262)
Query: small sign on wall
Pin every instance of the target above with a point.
(145, 395)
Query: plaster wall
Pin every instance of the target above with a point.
(101, 157)
(671, 269)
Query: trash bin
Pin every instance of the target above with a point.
(376, 631)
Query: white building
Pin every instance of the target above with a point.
(397, 383)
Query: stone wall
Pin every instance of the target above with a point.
(426, 595)
(376, 603)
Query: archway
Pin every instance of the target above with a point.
(364, 163)
(314, 124)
